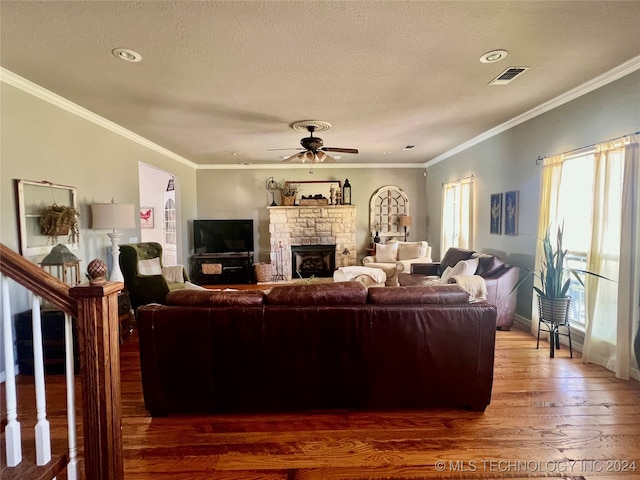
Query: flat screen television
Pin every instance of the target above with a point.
(222, 236)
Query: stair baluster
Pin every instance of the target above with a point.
(12, 431)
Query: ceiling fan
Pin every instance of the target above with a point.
(314, 149)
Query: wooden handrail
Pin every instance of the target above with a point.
(96, 309)
(34, 278)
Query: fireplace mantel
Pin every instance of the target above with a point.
(312, 225)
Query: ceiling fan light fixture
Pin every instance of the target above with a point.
(494, 56)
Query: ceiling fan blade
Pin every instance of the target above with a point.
(276, 149)
(294, 156)
(340, 150)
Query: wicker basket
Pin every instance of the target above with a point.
(264, 271)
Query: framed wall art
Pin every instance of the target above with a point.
(511, 213)
(146, 217)
(496, 213)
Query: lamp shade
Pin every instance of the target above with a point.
(404, 221)
(107, 216)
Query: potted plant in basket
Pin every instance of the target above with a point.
(555, 278)
(56, 220)
(288, 190)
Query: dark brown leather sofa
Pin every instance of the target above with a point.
(500, 279)
(322, 346)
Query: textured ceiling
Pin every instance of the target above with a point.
(227, 77)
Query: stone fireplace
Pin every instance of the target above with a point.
(313, 260)
(330, 226)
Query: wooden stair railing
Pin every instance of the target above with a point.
(96, 310)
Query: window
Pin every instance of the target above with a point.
(577, 204)
(457, 218)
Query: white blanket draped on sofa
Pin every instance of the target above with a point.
(474, 285)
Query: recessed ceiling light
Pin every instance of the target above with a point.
(494, 56)
(236, 154)
(126, 55)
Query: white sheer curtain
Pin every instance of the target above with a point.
(603, 257)
(629, 297)
(549, 193)
(457, 214)
(613, 307)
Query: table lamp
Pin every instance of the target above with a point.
(112, 216)
(404, 221)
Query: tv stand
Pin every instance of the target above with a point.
(217, 268)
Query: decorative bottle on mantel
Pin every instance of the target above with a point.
(346, 192)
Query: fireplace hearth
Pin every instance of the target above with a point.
(313, 260)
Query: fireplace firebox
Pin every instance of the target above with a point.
(313, 260)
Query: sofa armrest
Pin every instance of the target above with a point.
(185, 274)
(147, 289)
(426, 268)
(406, 264)
(368, 259)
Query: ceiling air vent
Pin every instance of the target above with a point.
(508, 75)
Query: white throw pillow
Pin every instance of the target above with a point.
(150, 266)
(173, 274)
(444, 278)
(387, 253)
(463, 267)
(409, 250)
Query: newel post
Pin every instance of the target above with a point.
(98, 330)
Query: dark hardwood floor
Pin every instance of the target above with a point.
(553, 418)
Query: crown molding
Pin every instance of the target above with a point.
(306, 166)
(31, 88)
(612, 75)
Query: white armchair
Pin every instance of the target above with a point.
(395, 257)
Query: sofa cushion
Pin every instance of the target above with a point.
(339, 293)
(463, 267)
(453, 256)
(418, 294)
(206, 298)
(488, 265)
(409, 250)
(387, 253)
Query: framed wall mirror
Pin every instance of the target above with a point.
(387, 203)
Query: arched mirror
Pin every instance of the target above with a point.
(386, 204)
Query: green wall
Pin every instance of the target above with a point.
(242, 194)
(41, 141)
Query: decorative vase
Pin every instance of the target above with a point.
(288, 201)
(376, 238)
